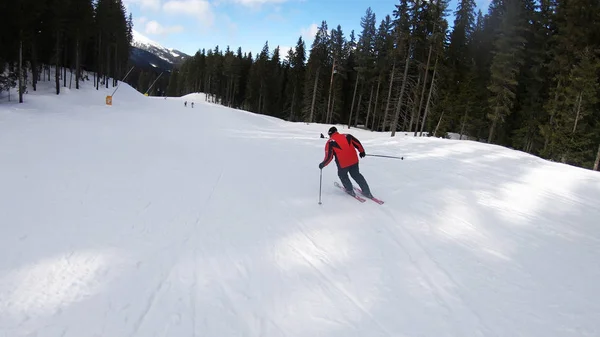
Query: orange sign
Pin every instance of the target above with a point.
(108, 100)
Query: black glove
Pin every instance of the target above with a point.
(321, 165)
(362, 154)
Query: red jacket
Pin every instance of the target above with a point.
(342, 147)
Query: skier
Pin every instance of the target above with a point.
(342, 147)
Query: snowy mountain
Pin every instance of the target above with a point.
(150, 218)
(169, 55)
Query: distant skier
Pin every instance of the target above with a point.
(192, 105)
(342, 147)
(185, 104)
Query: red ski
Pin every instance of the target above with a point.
(379, 201)
(356, 196)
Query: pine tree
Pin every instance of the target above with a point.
(365, 58)
(459, 62)
(298, 69)
(316, 75)
(506, 63)
(573, 48)
(533, 87)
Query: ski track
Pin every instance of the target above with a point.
(437, 278)
(341, 290)
(151, 301)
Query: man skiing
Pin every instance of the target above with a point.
(342, 147)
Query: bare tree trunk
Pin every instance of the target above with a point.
(399, 105)
(491, 135)
(329, 112)
(77, 63)
(57, 69)
(438, 124)
(387, 104)
(529, 145)
(234, 84)
(375, 106)
(64, 67)
(260, 98)
(424, 85)
(107, 72)
(116, 67)
(405, 121)
(353, 97)
(578, 111)
(358, 106)
(374, 119)
(597, 159)
(99, 63)
(312, 105)
(291, 118)
(228, 92)
(34, 66)
(464, 121)
(333, 103)
(209, 86)
(429, 97)
(566, 154)
(232, 94)
(552, 113)
(20, 71)
(412, 114)
(370, 100)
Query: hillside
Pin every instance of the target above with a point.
(148, 218)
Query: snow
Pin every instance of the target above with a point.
(458, 136)
(164, 58)
(143, 42)
(147, 218)
(140, 39)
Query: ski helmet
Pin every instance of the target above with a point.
(332, 130)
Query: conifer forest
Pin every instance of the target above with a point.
(67, 37)
(521, 73)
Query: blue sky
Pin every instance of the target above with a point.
(190, 25)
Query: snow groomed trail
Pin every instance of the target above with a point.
(150, 219)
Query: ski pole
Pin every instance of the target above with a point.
(380, 155)
(320, 184)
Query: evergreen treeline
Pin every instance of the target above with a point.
(79, 35)
(525, 75)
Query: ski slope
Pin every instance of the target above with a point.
(147, 218)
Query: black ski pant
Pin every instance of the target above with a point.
(356, 175)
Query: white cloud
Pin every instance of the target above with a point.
(140, 21)
(145, 4)
(231, 26)
(283, 52)
(251, 3)
(200, 9)
(308, 34)
(155, 28)
(276, 17)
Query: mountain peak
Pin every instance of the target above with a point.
(140, 40)
(170, 55)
